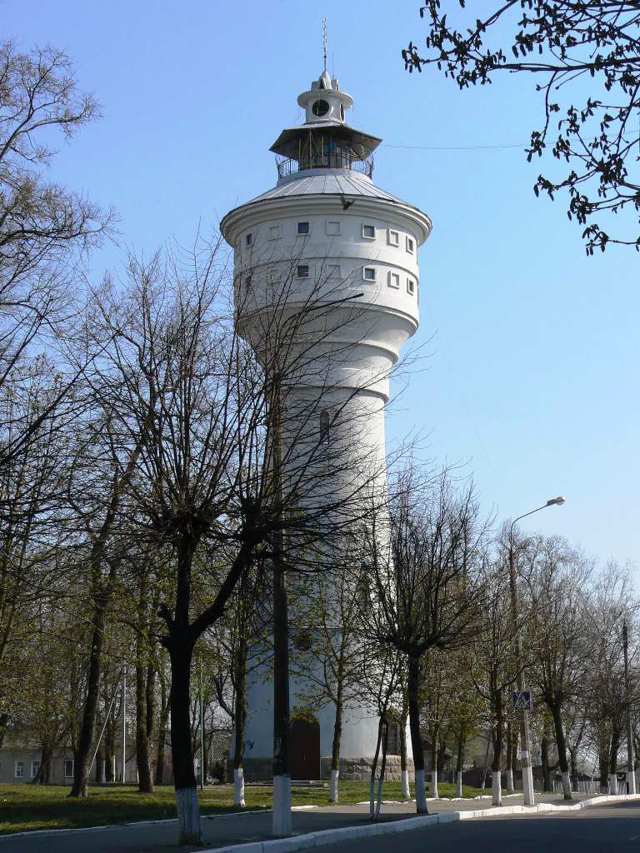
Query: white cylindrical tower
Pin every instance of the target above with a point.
(326, 235)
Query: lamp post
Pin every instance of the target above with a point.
(631, 774)
(525, 740)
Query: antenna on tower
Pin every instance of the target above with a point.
(325, 44)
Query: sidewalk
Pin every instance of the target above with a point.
(224, 830)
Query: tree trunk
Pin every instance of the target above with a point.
(383, 766)
(544, 753)
(460, 760)
(335, 746)
(281, 824)
(239, 721)
(509, 763)
(90, 711)
(561, 745)
(498, 740)
(434, 763)
(145, 778)
(162, 732)
(413, 691)
(404, 772)
(181, 653)
(372, 778)
(616, 734)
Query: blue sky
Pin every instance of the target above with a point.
(533, 348)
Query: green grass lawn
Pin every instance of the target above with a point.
(30, 807)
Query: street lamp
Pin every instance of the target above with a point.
(525, 753)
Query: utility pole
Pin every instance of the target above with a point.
(631, 764)
(124, 724)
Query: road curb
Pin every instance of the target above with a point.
(345, 833)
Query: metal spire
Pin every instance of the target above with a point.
(325, 44)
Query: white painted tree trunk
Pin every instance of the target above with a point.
(281, 824)
(404, 781)
(372, 798)
(379, 797)
(434, 784)
(631, 782)
(421, 795)
(238, 787)
(459, 783)
(566, 786)
(511, 788)
(496, 787)
(613, 784)
(188, 816)
(333, 786)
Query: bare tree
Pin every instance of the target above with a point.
(572, 49)
(425, 589)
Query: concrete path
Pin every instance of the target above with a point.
(225, 830)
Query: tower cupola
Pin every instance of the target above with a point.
(325, 140)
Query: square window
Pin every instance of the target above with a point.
(393, 237)
(369, 232)
(35, 769)
(273, 276)
(333, 228)
(274, 232)
(302, 271)
(68, 768)
(394, 280)
(19, 771)
(411, 286)
(333, 271)
(369, 273)
(410, 244)
(248, 239)
(303, 228)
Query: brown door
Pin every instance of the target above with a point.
(304, 748)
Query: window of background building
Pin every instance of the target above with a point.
(369, 232)
(410, 245)
(333, 228)
(333, 270)
(303, 228)
(19, 771)
(68, 768)
(35, 769)
(324, 426)
(394, 279)
(393, 237)
(274, 232)
(369, 273)
(411, 286)
(302, 271)
(249, 239)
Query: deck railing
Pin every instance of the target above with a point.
(328, 161)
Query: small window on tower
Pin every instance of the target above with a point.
(302, 271)
(411, 286)
(324, 426)
(393, 237)
(333, 271)
(273, 275)
(333, 228)
(274, 232)
(410, 245)
(303, 227)
(369, 273)
(249, 239)
(248, 281)
(369, 232)
(394, 280)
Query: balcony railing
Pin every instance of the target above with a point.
(326, 161)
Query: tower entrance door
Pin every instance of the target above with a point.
(304, 748)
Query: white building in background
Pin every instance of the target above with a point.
(326, 225)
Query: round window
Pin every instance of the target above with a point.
(320, 108)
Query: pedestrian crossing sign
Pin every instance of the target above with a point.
(522, 700)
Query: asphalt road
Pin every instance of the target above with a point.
(600, 829)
